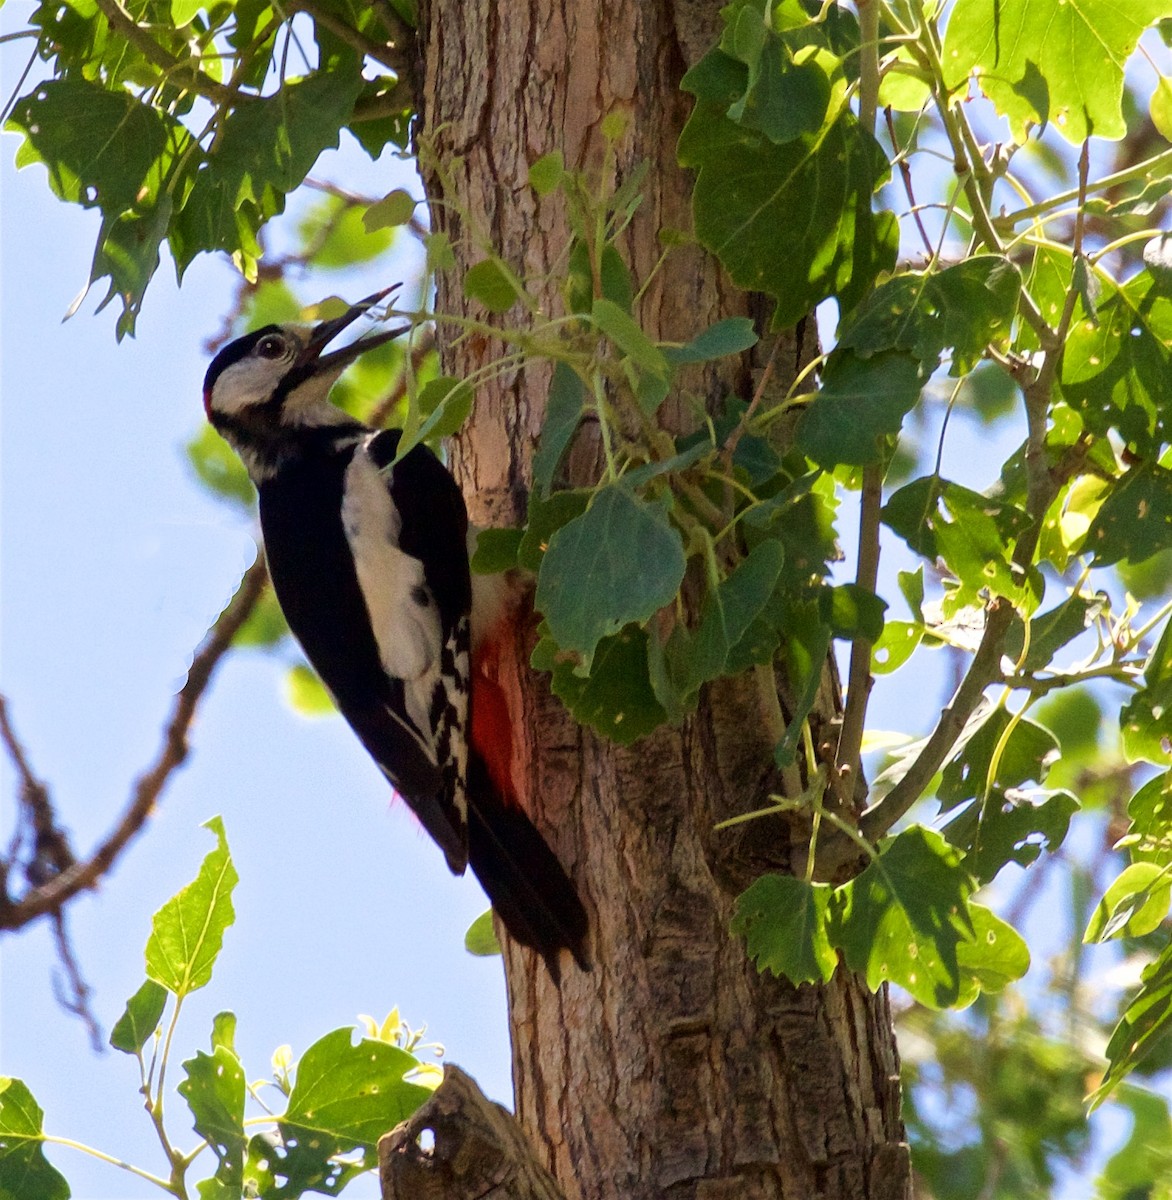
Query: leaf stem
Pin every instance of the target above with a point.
(109, 1158)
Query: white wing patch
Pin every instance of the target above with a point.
(407, 627)
(403, 615)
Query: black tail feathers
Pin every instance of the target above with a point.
(530, 891)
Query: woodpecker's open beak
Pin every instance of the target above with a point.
(325, 333)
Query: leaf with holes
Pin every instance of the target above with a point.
(215, 1089)
(903, 919)
(345, 1096)
(995, 956)
(1135, 520)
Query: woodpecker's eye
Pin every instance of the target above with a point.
(271, 346)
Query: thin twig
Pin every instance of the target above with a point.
(859, 679)
(149, 786)
(77, 999)
(905, 173)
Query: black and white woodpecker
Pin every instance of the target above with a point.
(369, 560)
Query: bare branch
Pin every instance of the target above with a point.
(149, 786)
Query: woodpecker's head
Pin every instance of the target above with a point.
(277, 379)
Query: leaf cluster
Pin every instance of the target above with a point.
(188, 123)
(321, 1118)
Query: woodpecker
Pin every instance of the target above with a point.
(369, 561)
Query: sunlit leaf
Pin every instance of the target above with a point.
(188, 931)
(25, 1172)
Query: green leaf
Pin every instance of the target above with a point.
(1025, 755)
(344, 1098)
(782, 99)
(1146, 719)
(964, 308)
(994, 957)
(895, 645)
(733, 335)
(1143, 1164)
(748, 190)
(1134, 904)
(481, 937)
(187, 932)
(395, 208)
(140, 1019)
(1145, 1022)
(852, 611)
(1048, 632)
(339, 236)
(1135, 520)
(620, 561)
(1049, 62)
(306, 694)
(783, 922)
(274, 142)
(975, 537)
(563, 413)
(100, 146)
(219, 468)
(496, 550)
(546, 174)
(628, 337)
(440, 255)
(727, 615)
(444, 404)
(224, 1031)
(861, 405)
(1150, 810)
(25, 1172)
(214, 1089)
(903, 919)
(1010, 826)
(545, 517)
(265, 626)
(1117, 368)
(487, 282)
(616, 698)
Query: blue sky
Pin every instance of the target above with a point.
(114, 562)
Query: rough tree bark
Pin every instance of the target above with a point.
(673, 1069)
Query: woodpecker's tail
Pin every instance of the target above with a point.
(528, 888)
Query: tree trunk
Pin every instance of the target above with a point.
(673, 1069)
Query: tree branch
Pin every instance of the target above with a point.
(479, 1151)
(50, 896)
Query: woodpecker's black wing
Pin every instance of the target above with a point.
(364, 611)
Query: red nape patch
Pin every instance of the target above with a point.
(492, 730)
(207, 402)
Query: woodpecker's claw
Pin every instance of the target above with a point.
(326, 331)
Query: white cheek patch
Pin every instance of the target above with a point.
(403, 614)
(245, 383)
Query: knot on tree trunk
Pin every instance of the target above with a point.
(476, 1150)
